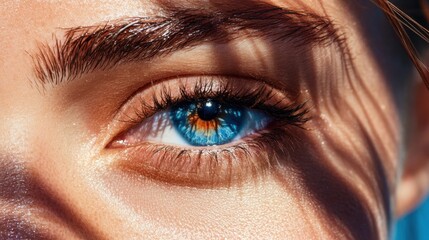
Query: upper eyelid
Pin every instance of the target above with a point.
(88, 48)
(279, 103)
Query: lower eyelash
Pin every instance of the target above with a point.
(253, 157)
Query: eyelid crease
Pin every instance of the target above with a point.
(85, 49)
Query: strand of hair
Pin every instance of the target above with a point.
(399, 19)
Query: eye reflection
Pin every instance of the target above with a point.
(208, 122)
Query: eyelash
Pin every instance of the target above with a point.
(201, 167)
(294, 113)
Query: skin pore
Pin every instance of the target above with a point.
(73, 79)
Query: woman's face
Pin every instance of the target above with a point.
(196, 119)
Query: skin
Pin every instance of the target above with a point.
(58, 180)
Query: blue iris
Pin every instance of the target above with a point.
(207, 122)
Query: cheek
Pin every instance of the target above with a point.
(269, 208)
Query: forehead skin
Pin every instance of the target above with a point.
(64, 191)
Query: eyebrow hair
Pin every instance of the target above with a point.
(85, 49)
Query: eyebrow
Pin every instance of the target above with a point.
(85, 49)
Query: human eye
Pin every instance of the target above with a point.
(206, 131)
(199, 122)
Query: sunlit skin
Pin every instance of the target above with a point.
(333, 176)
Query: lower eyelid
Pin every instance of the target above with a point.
(212, 167)
(196, 168)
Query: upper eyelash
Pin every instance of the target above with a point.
(294, 113)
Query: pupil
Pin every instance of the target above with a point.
(208, 110)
